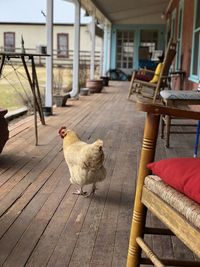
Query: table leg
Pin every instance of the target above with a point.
(139, 212)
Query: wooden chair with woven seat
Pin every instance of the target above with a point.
(185, 98)
(162, 200)
(160, 78)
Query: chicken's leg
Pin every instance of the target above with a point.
(80, 192)
(92, 191)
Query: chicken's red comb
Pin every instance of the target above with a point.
(62, 128)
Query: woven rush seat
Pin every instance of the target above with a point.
(177, 212)
(185, 206)
(181, 95)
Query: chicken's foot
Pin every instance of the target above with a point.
(94, 188)
(80, 192)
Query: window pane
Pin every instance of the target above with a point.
(180, 23)
(197, 24)
(62, 45)
(148, 43)
(9, 41)
(125, 46)
(195, 54)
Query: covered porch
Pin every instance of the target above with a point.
(42, 223)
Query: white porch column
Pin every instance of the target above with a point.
(105, 38)
(75, 86)
(49, 59)
(107, 47)
(101, 56)
(92, 62)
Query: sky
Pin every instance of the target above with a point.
(30, 11)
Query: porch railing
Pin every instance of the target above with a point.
(58, 61)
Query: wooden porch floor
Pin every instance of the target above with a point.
(41, 222)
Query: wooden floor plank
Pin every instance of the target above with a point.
(41, 222)
(87, 237)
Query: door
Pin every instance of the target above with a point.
(125, 50)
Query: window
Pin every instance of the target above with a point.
(62, 45)
(168, 33)
(195, 64)
(9, 41)
(173, 25)
(148, 43)
(179, 35)
(125, 48)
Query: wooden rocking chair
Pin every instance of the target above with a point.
(178, 224)
(136, 85)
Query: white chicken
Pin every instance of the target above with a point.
(85, 161)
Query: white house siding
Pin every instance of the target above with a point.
(34, 35)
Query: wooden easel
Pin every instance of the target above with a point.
(33, 82)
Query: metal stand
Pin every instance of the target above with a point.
(33, 82)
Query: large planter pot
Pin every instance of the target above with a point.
(105, 80)
(95, 86)
(60, 100)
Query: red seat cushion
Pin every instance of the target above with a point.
(183, 174)
(143, 77)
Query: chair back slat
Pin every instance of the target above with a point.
(169, 57)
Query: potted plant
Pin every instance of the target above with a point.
(95, 86)
(59, 96)
(82, 78)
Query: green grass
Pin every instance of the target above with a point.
(15, 88)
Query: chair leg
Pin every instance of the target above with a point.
(168, 124)
(139, 212)
(162, 126)
(131, 85)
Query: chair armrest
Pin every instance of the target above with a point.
(157, 109)
(146, 70)
(146, 83)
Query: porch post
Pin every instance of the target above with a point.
(107, 47)
(75, 86)
(105, 38)
(92, 62)
(49, 59)
(102, 56)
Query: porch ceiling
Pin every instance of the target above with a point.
(132, 11)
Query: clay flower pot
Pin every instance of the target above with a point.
(84, 91)
(95, 86)
(60, 100)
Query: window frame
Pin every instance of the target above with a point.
(168, 31)
(66, 55)
(195, 78)
(179, 35)
(12, 48)
(122, 59)
(173, 23)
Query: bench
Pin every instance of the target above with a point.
(4, 133)
(179, 214)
